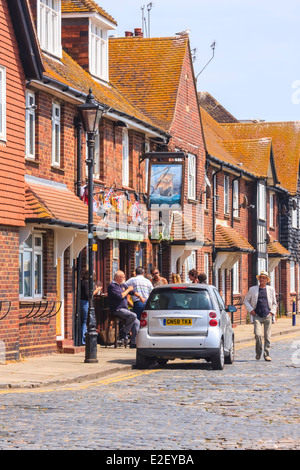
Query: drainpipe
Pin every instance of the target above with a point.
(214, 253)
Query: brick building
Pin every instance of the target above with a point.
(19, 60)
(156, 75)
(248, 190)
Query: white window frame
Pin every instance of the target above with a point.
(271, 210)
(49, 26)
(226, 194)
(2, 103)
(96, 169)
(147, 149)
(34, 252)
(261, 201)
(236, 278)
(191, 176)
(56, 135)
(292, 277)
(206, 265)
(30, 126)
(125, 157)
(295, 215)
(98, 50)
(235, 201)
(189, 263)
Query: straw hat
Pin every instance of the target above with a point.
(263, 273)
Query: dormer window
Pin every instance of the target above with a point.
(98, 54)
(49, 26)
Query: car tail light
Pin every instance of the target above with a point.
(143, 321)
(213, 322)
(212, 315)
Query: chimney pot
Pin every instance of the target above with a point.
(138, 32)
(128, 34)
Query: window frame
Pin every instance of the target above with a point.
(292, 276)
(226, 195)
(236, 278)
(30, 125)
(98, 50)
(271, 209)
(2, 103)
(35, 252)
(125, 157)
(261, 201)
(235, 198)
(56, 136)
(192, 162)
(49, 33)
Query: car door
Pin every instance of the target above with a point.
(224, 321)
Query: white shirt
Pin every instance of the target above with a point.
(141, 285)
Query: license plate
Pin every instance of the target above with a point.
(177, 321)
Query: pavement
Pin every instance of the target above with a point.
(62, 369)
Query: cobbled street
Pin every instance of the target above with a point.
(181, 406)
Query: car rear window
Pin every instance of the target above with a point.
(179, 299)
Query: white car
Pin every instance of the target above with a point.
(186, 321)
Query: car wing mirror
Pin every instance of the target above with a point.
(231, 308)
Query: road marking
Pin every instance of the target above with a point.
(120, 378)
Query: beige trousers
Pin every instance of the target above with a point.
(259, 323)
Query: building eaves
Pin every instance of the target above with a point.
(85, 6)
(25, 32)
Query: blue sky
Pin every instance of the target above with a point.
(255, 72)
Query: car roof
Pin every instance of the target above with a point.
(184, 284)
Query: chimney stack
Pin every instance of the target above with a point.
(138, 32)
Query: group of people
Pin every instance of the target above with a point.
(260, 302)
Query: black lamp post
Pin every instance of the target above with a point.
(90, 113)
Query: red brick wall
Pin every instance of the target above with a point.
(41, 167)
(9, 290)
(12, 150)
(75, 39)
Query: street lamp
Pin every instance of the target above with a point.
(90, 113)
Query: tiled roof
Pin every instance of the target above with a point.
(183, 231)
(68, 72)
(51, 202)
(89, 6)
(227, 239)
(214, 108)
(285, 143)
(275, 249)
(148, 70)
(251, 155)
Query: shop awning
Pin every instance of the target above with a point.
(52, 203)
(229, 240)
(182, 231)
(275, 249)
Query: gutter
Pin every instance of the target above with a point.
(62, 223)
(109, 111)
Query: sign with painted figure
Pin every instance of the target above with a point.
(165, 186)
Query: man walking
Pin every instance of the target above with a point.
(260, 302)
(117, 299)
(142, 286)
